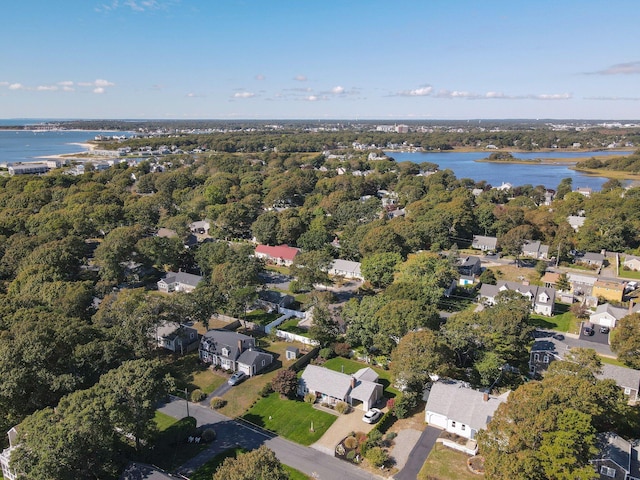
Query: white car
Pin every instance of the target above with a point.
(236, 378)
(372, 416)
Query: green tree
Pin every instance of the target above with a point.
(626, 340)
(324, 328)
(131, 393)
(259, 464)
(379, 268)
(487, 277)
(563, 284)
(565, 186)
(311, 268)
(285, 383)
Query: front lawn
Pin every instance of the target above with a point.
(190, 373)
(562, 321)
(446, 464)
(291, 419)
(348, 366)
(629, 274)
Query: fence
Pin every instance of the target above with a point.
(292, 337)
(457, 446)
(276, 322)
(304, 360)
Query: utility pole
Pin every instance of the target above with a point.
(186, 397)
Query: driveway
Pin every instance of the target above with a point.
(231, 433)
(419, 454)
(597, 337)
(572, 341)
(343, 426)
(218, 392)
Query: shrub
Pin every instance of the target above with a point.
(342, 349)
(340, 449)
(197, 395)
(351, 455)
(375, 436)
(342, 407)
(391, 404)
(310, 398)
(209, 435)
(266, 390)
(217, 402)
(350, 442)
(391, 435)
(326, 353)
(377, 456)
(401, 410)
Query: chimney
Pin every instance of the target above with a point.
(485, 396)
(353, 382)
(239, 346)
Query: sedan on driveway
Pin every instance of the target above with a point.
(237, 378)
(372, 416)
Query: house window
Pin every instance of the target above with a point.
(608, 471)
(536, 357)
(546, 359)
(453, 424)
(627, 391)
(225, 351)
(263, 362)
(463, 427)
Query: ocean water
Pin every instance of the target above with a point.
(27, 146)
(464, 165)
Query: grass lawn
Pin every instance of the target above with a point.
(348, 366)
(629, 274)
(295, 474)
(446, 464)
(170, 449)
(191, 374)
(291, 326)
(261, 317)
(290, 418)
(562, 321)
(516, 274)
(278, 268)
(612, 361)
(242, 396)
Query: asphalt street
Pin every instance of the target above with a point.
(230, 433)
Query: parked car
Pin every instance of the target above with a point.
(372, 416)
(236, 378)
(588, 331)
(604, 330)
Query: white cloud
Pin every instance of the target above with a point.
(243, 95)
(629, 68)
(260, 77)
(337, 90)
(418, 92)
(311, 98)
(4, 84)
(103, 83)
(16, 86)
(300, 78)
(46, 88)
(98, 90)
(66, 83)
(551, 96)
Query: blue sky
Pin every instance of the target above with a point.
(320, 59)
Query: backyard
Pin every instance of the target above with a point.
(348, 366)
(446, 464)
(292, 419)
(191, 374)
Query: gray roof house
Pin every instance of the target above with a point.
(469, 265)
(179, 338)
(547, 349)
(332, 387)
(233, 351)
(614, 458)
(483, 243)
(631, 262)
(458, 409)
(607, 315)
(346, 269)
(535, 249)
(591, 258)
(178, 282)
(627, 379)
(542, 298)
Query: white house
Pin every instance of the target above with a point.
(346, 269)
(459, 409)
(607, 315)
(332, 387)
(632, 262)
(542, 298)
(178, 282)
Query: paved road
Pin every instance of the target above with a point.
(419, 454)
(230, 433)
(572, 341)
(218, 392)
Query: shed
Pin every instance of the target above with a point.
(291, 353)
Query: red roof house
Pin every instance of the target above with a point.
(281, 254)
